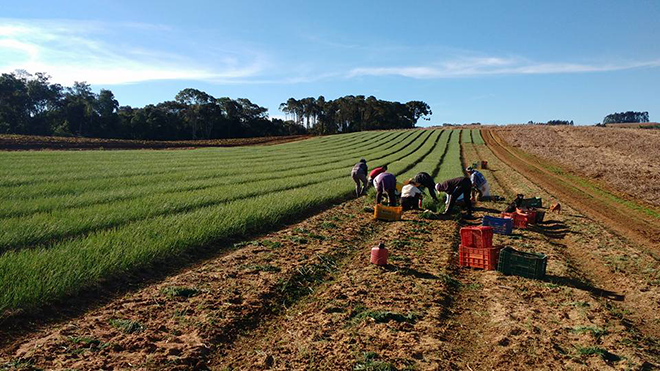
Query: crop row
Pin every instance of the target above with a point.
(89, 168)
(476, 137)
(31, 277)
(164, 175)
(52, 226)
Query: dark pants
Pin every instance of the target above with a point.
(464, 187)
(360, 183)
(410, 203)
(391, 196)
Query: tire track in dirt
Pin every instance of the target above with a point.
(560, 323)
(642, 228)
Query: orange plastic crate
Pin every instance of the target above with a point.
(479, 236)
(389, 213)
(476, 257)
(519, 221)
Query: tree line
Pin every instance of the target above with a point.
(32, 105)
(626, 117)
(353, 113)
(552, 122)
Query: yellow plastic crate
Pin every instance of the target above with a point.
(389, 213)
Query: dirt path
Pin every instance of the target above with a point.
(568, 321)
(366, 317)
(626, 219)
(628, 266)
(178, 322)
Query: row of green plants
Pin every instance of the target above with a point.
(57, 224)
(66, 191)
(136, 162)
(58, 267)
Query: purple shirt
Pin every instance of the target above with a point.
(385, 181)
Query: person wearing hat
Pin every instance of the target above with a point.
(359, 175)
(410, 195)
(424, 180)
(454, 188)
(479, 183)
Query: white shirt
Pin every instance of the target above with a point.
(410, 190)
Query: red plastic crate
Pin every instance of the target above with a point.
(478, 236)
(519, 221)
(530, 214)
(476, 257)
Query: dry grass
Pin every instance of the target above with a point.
(625, 159)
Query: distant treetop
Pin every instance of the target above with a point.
(623, 117)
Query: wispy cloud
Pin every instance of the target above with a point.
(483, 66)
(86, 51)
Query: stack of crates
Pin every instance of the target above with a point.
(499, 225)
(524, 264)
(476, 249)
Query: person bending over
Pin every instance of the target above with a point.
(454, 188)
(375, 172)
(359, 175)
(479, 184)
(424, 180)
(386, 183)
(410, 196)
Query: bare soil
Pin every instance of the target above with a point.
(29, 142)
(622, 160)
(587, 314)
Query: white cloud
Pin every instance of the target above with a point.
(85, 51)
(467, 67)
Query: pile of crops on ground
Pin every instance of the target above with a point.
(74, 219)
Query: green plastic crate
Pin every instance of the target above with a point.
(524, 264)
(532, 202)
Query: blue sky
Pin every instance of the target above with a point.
(472, 61)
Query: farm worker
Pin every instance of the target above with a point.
(375, 172)
(386, 183)
(479, 183)
(424, 180)
(454, 188)
(410, 196)
(359, 175)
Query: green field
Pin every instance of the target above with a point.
(72, 220)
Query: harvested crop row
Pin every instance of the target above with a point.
(569, 320)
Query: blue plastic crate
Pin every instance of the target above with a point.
(500, 225)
